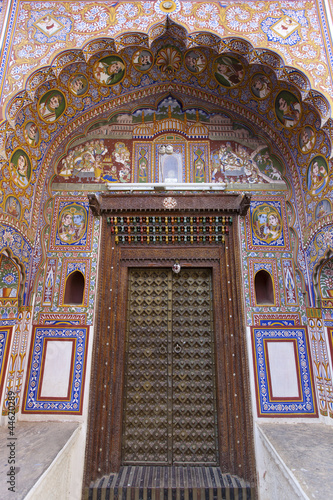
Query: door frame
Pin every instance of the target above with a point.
(234, 416)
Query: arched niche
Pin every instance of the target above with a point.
(74, 289)
(264, 290)
(11, 279)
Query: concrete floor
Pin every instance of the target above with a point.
(36, 446)
(307, 450)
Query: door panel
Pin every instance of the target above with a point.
(169, 409)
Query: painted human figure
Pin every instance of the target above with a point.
(31, 134)
(307, 139)
(290, 112)
(262, 225)
(48, 109)
(107, 73)
(12, 208)
(20, 172)
(78, 85)
(318, 178)
(261, 86)
(199, 171)
(66, 227)
(273, 227)
(231, 72)
(195, 62)
(79, 225)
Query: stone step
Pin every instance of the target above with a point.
(169, 483)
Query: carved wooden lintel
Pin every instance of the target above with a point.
(161, 202)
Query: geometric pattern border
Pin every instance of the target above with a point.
(73, 404)
(55, 319)
(5, 340)
(305, 405)
(330, 340)
(276, 320)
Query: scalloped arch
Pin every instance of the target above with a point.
(235, 45)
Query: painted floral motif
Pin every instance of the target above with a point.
(169, 202)
(169, 60)
(326, 279)
(9, 278)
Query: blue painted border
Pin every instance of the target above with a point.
(7, 41)
(74, 405)
(266, 408)
(4, 334)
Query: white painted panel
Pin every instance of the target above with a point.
(283, 369)
(57, 369)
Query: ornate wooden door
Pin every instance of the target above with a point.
(170, 407)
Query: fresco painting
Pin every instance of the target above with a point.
(78, 85)
(51, 106)
(169, 60)
(143, 60)
(323, 208)
(109, 70)
(72, 222)
(48, 25)
(261, 86)
(287, 109)
(266, 223)
(307, 139)
(317, 176)
(228, 71)
(13, 207)
(31, 134)
(195, 61)
(20, 168)
(9, 279)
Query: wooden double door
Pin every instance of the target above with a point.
(170, 415)
(169, 378)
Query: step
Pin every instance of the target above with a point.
(169, 483)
